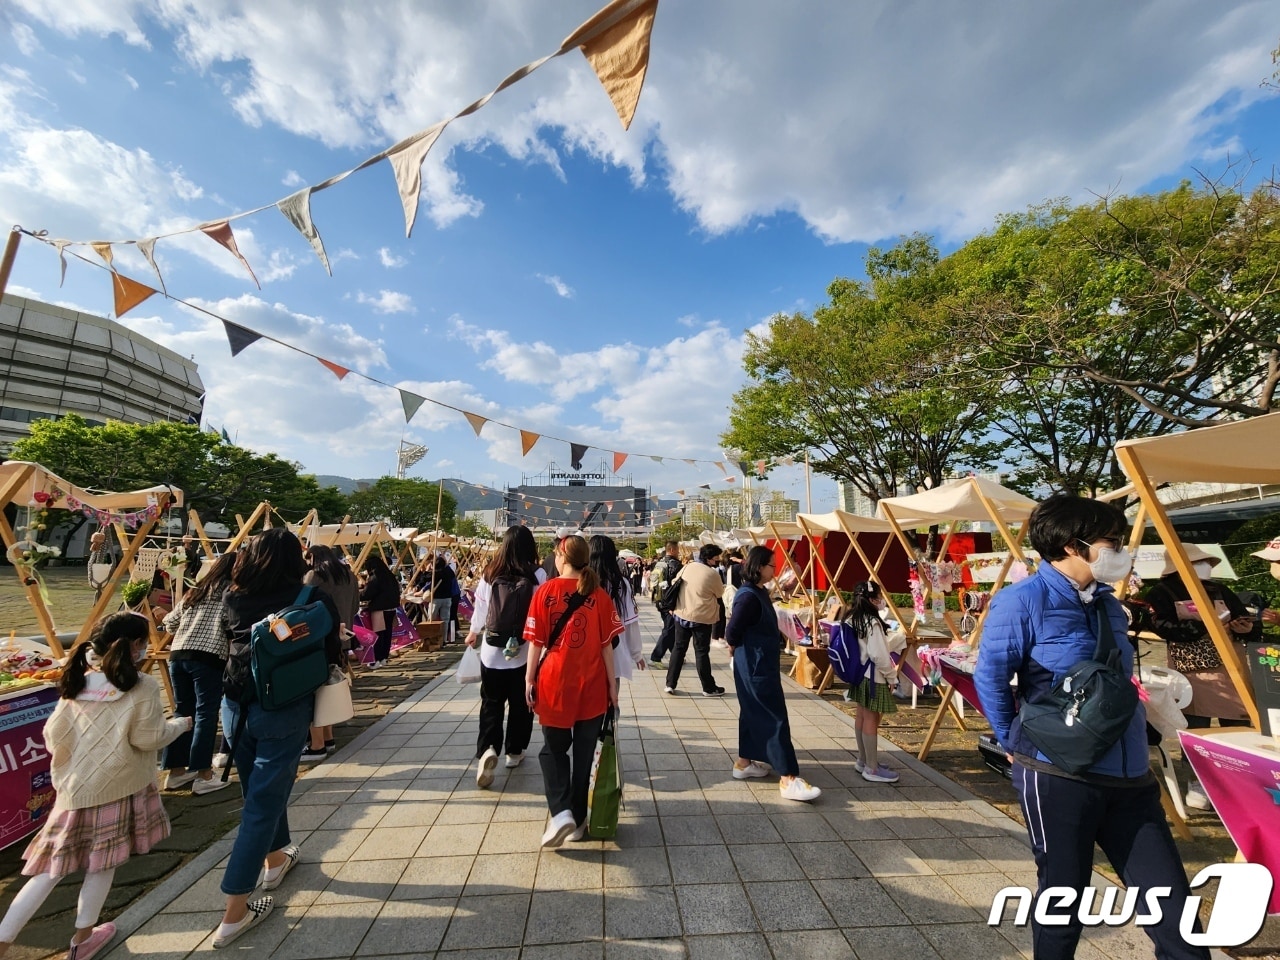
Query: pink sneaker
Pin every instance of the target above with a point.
(96, 940)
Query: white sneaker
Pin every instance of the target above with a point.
(750, 771)
(514, 760)
(881, 774)
(579, 834)
(220, 760)
(859, 765)
(1196, 798)
(176, 780)
(484, 769)
(375, 665)
(668, 689)
(200, 787)
(800, 789)
(560, 827)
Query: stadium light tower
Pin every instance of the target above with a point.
(410, 453)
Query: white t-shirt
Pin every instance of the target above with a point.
(491, 656)
(630, 646)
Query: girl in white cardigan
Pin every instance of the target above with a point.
(102, 739)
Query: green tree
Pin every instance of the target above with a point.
(670, 530)
(405, 503)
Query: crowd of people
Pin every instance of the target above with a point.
(555, 642)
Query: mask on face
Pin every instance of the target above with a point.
(1111, 565)
(1203, 569)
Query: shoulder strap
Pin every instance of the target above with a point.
(575, 602)
(1106, 635)
(304, 595)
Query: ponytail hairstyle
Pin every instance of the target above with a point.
(112, 641)
(577, 555)
(861, 611)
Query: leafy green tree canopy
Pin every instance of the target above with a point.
(406, 503)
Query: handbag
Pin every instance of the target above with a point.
(670, 595)
(1087, 711)
(575, 602)
(333, 703)
(604, 795)
(469, 667)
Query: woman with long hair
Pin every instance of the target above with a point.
(628, 648)
(874, 692)
(501, 606)
(380, 595)
(764, 731)
(569, 682)
(266, 578)
(335, 579)
(197, 656)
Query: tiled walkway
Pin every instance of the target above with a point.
(403, 855)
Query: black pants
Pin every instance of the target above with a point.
(700, 634)
(1065, 818)
(499, 689)
(566, 781)
(666, 639)
(382, 646)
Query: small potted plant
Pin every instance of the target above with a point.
(134, 592)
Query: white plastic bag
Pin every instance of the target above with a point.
(469, 667)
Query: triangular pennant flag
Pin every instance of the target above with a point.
(679, 493)
(338, 371)
(528, 504)
(760, 467)
(103, 249)
(655, 499)
(720, 464)
(548, 509)
(61, 247)
(576, 452)
(656, 459)
(743, 467)
(788, 461)
(618, 460)
(477, 422)
(239, 337)
(220, 232)
(527, 439)
(692, 463)
(608, 505)
(406, 163)
(730, 479)
(129, 293)
(148, 248)
(564, 502)
(483, 491)
(616, 44)
(297, 210)
(411, 402)
(704, 486)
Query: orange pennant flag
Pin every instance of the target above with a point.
(129, 293)
(527, 439)
(337, 370)
(220, 232)
(616, 44)
(618, 460)
(103, 249)
(477, 422)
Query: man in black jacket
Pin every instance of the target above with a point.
(667, 568)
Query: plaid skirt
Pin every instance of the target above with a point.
(874, 696)
(97, 838)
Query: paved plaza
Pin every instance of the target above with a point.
(402, 855)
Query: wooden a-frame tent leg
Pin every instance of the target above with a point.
(32, 590)
(938, 715)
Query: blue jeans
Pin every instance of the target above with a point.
(266, 759)
(197, 688)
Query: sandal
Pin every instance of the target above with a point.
(258, 911)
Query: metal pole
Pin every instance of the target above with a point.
(6, 262)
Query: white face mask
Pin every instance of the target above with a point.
(1111, 565)
(1203, 569)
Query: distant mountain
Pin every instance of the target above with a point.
(470, 496)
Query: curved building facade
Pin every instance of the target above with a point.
(55, 361)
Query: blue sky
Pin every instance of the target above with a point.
(563, 275)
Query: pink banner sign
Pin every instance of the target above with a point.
(1240, 773)
(26, 788)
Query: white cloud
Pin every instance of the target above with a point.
(914, 120)
(555, 283)
(292, 179)
(130, 81)
(387, 301)
(389, 259)
(24, 38)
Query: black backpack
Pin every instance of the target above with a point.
(1087, 711)
(508, 607)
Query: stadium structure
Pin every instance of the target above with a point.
(593, 500)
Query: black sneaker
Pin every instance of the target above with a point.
(714, 692)
(330, 746)
(314, 756)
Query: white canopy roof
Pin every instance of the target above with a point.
(427, 537)
(960, 499)
(841, 521)
(41, 480)
(338, 534)
(1247, 451)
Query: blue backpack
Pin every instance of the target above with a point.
(846, 655)
(286, 651)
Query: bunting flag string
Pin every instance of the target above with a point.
(129, 293)
(615, 42)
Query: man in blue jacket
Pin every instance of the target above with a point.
(1036, 631)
